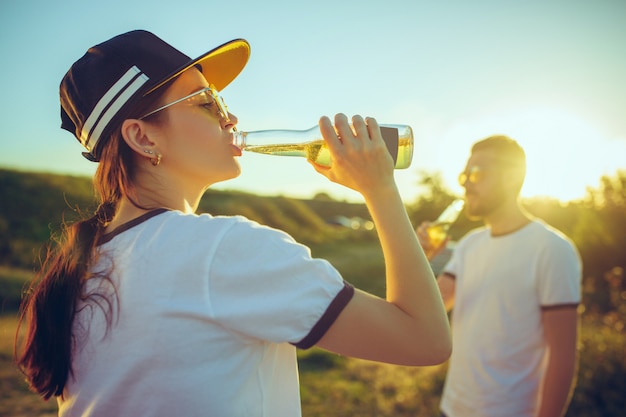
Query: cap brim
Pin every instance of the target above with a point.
(220, 66)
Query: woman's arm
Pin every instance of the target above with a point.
(410, 326)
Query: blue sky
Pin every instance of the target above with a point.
(551, 74)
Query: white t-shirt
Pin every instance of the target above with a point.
(502, 285)
(205, 316)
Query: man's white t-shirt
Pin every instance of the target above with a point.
(502, 285)
(205, 316)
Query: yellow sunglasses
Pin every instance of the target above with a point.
(208, 95)
(473, 175)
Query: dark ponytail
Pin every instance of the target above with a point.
(49, 307)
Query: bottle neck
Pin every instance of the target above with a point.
(272, 137)
(239, 139)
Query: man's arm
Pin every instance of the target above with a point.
(560, 327)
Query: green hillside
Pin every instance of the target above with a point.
(34, 205)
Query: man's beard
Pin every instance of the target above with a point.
(482, 206)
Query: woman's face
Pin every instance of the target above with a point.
(195, 142)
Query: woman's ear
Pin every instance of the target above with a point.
(136, 134)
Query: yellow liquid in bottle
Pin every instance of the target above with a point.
(318, 152)
(438, 233)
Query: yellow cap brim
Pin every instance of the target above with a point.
(220, 66)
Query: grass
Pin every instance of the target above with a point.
(15, 398)
(361, 263)
(357, 387)
(367, 389)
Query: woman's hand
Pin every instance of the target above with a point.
(360, 159)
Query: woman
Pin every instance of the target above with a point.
(149, 309)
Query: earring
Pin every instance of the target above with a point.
(156, 160)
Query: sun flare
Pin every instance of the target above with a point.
(565, 154)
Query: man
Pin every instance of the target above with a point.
(515, 288)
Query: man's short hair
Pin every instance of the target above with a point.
(508, 153)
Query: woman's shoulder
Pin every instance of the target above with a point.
(233, 231)
(205, 222)
(176, 218)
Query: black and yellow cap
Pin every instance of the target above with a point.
(113, 76)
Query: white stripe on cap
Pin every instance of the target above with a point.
(110, 103)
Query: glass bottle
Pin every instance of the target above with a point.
(438, 230)
(310, 144)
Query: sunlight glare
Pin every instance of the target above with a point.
(565, 154)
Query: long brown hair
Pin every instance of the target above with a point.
(49, 307)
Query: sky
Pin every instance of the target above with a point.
(551, 74)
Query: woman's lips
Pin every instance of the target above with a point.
(236, 150)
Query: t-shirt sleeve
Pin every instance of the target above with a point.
(264, 285)
(560, 274)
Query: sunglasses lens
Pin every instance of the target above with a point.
(222, 106)
(474, 175)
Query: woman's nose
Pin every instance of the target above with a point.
(232, 120)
